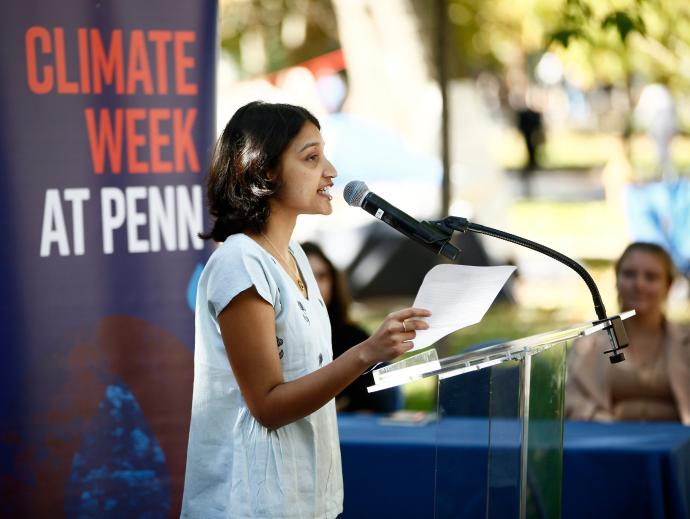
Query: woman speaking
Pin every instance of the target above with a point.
(263, 439)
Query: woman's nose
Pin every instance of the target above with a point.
(330, 170)
(639, 281)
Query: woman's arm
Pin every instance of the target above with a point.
(247, 325)
(679, 372)
(580, 403)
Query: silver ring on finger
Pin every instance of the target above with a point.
(404, 327)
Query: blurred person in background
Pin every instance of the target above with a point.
(345, 334)
(656, 113)
(263, 439)
(653, 383)
(530, 123)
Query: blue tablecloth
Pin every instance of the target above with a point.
(626, 470)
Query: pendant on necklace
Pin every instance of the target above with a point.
(301, 285)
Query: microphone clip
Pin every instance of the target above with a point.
(452, 223)
(618, 338)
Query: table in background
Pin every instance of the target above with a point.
(625, 470)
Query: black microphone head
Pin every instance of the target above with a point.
(354, 193)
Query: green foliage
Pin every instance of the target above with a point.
(421, 395)
(503, 322)
(613, 41)
(261, 24)
(600, 41)
(583, 151)
(498, 35)
(623, 23)
(563, 36)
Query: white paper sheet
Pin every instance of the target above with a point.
(457, 296)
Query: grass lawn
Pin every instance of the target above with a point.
(501, 323)
(570, 149)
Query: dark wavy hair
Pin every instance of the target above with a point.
(246, 157)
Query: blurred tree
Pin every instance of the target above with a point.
(612, 40)
(494, 36)
(598, 37)
(268, 35)
(603, 42)
(625, 42)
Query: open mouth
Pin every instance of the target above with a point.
(326, 191)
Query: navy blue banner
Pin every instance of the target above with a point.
(106, 124)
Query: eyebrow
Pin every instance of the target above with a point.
(307, 145)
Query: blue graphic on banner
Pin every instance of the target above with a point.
(106, 125)
(120, 468)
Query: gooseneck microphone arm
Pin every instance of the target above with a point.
(463, 225)
(614, 326)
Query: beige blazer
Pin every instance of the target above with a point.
(588, 395)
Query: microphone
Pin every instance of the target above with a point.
(357, 194)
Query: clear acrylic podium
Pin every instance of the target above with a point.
(514, 393)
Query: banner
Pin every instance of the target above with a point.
(106, 126)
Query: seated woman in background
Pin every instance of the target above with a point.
(653, 383)
(346, 334)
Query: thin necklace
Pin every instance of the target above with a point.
(297, 277)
